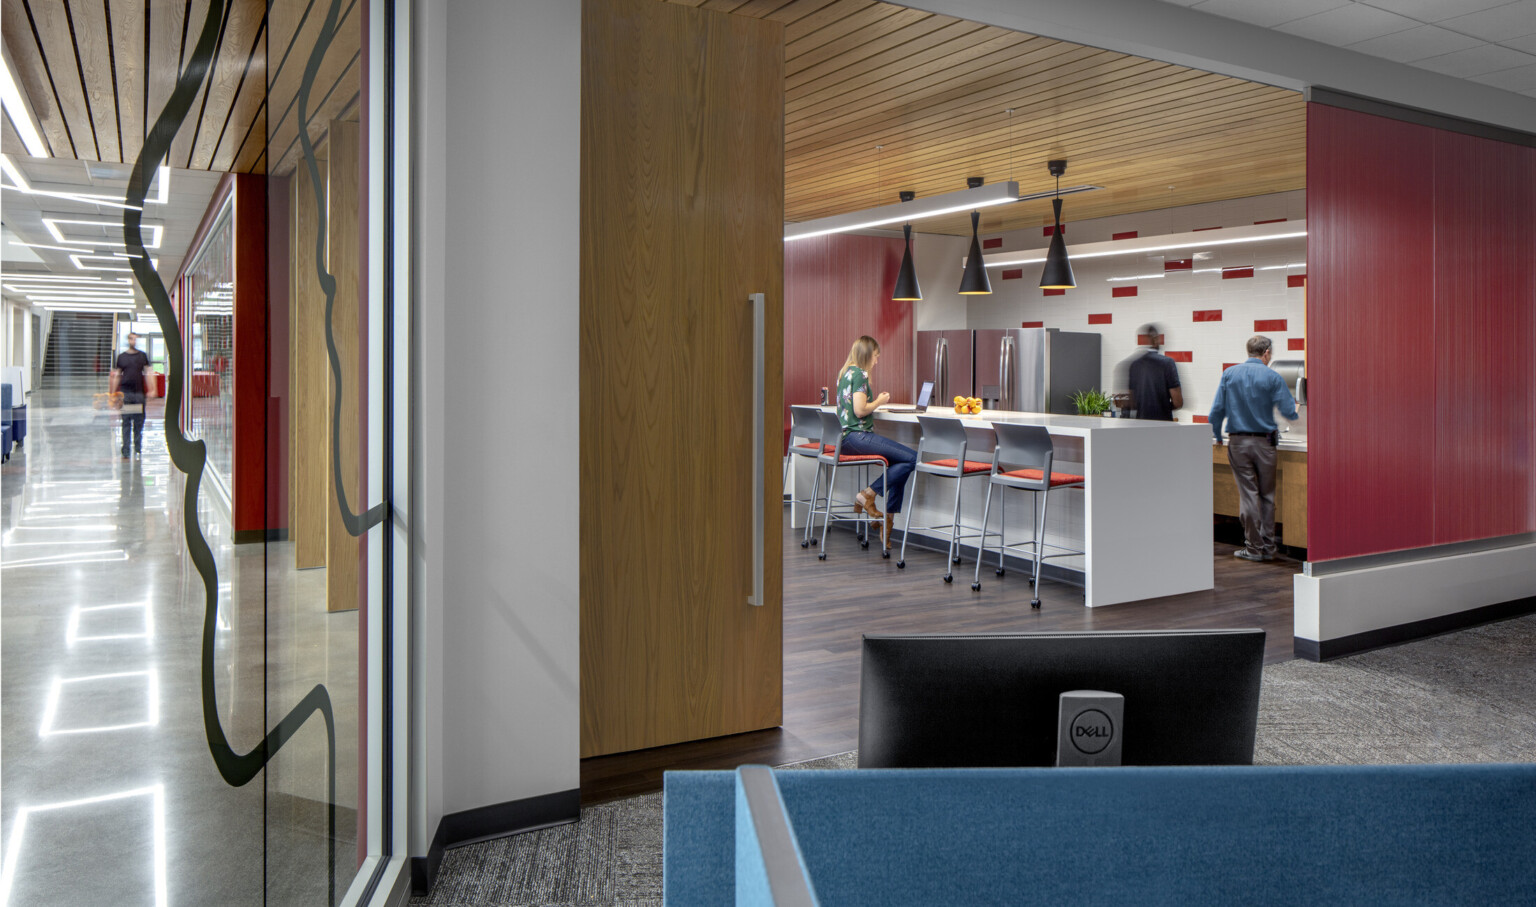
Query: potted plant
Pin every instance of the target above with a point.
(1091, 402)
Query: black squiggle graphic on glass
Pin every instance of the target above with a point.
(190, 457)
(356, 524)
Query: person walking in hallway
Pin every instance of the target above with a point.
(856, 405)
(129, 370)
(1246, 399)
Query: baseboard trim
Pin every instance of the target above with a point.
(252, 536)
(489, 822)
(1329, 649)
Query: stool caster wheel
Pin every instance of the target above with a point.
(805, 544)
(901, 565)
(822, 556)
(815, 541)
(886, 555)
(975, 587)
(1035, 604)
(864, 544)
(1001, 571)
(949, 577)
(956, 559)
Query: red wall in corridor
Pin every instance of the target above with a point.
(835, 289)
(1421, 311)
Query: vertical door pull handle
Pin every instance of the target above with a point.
(759, 404)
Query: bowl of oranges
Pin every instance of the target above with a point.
(968, 406)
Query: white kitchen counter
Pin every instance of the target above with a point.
(1144, 518)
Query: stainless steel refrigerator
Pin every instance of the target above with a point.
(1035, 370)
(944, 357)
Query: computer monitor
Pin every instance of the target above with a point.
(1191, 697)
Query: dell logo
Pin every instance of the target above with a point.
(1092, 731)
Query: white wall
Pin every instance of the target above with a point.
(937, 260)
(1171, 300)
(497, 194)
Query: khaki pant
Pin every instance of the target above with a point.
(1253, 466)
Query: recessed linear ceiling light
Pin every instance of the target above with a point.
(52, 223)
(63, 278)
(20, 114)
(19, 183)
(1161, 274)
(1256, 233)
(83, 247)
(932, 206)
(79, 261)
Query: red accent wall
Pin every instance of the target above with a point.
(250, 418)
(835, 289)
(1420, 295)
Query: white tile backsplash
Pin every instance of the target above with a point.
(1169, 300)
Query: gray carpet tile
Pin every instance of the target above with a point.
(1468, 696)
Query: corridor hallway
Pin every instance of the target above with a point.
(111, 796)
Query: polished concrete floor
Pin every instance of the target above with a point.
(110, 795)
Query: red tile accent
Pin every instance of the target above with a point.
(1208, 315)
(1272, 324)
(1179, 264)
(1230, 273)
(1032, 324)
(1203, 420)
(1227, 365)
(1053, 292)
(1129, 234)
(995, 242)
(1104, 318)
(1198, 229)
(1145, 339)
(1179, 356)
(1296, 280)
(1276, 220)
(1052, 229)
(1013, 274)
(1296, 343)
(1122, 292)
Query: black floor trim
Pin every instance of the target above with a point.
(1328, 649)
(495, 821)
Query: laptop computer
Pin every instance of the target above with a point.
(922, 401)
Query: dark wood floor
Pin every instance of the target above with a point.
(829, 605)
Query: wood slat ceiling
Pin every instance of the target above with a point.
(932, 91)
(98, 72)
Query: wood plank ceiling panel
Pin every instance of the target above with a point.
(932, 92)
(99, 72)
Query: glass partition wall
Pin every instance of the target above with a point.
(199, 643)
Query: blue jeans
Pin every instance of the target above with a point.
(902, 459)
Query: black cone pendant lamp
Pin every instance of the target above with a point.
(907, 289)
(974, 281)
(1058, 269)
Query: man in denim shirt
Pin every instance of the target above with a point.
(1246, 399)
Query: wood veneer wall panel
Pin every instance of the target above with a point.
(343, 248)
(835, 289)
(309, 387)
(682, 209)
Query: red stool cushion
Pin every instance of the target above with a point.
(825, 448)
(862, 458)
(1057, 478)
(971, 466)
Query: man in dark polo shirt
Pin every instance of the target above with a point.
(1153, 380)
(130, 371)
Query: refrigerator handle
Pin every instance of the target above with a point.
(1005, 374)
(941, 367)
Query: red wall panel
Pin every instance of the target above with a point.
(1420, 293)
(835, 289)
(251, 406)
(1370, 317)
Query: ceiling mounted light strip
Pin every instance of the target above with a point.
(20, 112)
(933, 206)
(1194, 240)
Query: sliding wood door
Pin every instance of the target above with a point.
(682, 202)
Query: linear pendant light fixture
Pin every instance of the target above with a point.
(974, 281)
(1057, 274)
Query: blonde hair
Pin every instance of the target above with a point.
(862, 355)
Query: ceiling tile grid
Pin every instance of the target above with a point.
(1487, 41)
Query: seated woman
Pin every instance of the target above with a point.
(856, 407)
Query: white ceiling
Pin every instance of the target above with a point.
(1487, 41)
(22, 217)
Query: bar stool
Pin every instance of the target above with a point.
(1023, 459)
(805, 422)
(832, 456)
(945, 438)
